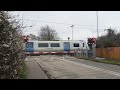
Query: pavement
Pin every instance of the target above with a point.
(99, 58)
(33, 69)
(66, 67)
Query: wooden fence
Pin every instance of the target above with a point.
(110, 53)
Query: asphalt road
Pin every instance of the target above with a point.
(66, 67)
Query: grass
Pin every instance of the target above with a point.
(22, 72)
(107, 61)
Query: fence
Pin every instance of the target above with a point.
(84, 53)
(110, 53)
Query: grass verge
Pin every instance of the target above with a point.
(107, 61)
(22, 71)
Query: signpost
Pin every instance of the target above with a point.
(92, 46)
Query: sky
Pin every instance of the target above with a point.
(85, 22)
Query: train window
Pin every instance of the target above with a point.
(42, 44)
(83, 44)
(76, 44)
(55, 45)
(29, 45)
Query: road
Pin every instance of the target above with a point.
(66, 67)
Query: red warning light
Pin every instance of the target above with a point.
(25, 39)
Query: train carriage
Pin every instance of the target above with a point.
(56, 47)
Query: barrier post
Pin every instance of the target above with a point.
(94, 50)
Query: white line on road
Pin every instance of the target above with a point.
(51, 59)
(36, 59)
(26, 59)
(92, 67)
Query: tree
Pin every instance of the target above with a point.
(111, 39)
(32, 37)
(11, 46)
(47, 33)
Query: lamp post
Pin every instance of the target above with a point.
(72, 31)
(97, 24)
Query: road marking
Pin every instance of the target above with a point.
(38, 59)
(92, 67)
(26, 59)
(51, 59)
(63, 57)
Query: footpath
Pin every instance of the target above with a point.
(33, 70)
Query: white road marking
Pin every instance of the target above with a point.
(63, 57)
(36, 58)
(92, 67)
(26, 59)
(51, 59)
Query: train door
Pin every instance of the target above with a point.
(29, 47)
(66, 46)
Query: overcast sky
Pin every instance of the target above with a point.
(85, 22)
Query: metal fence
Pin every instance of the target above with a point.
(84, 53)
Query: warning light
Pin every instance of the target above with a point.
(25, 39)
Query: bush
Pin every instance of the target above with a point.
(11, 46)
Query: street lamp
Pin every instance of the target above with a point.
(97, 24)
(72, 31)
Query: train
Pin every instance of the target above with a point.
(54, 47)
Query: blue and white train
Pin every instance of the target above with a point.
(56, 47)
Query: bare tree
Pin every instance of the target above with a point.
(47, 33)
(32, 37)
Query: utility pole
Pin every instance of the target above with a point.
(97, 24)
(72, 31)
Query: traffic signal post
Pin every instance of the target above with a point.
(92, 45)
(94, 50)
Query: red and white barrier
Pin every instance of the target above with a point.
(41, 53)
